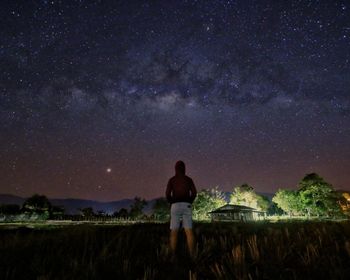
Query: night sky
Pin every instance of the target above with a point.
(99, 99)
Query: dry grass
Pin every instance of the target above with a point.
(224, 251)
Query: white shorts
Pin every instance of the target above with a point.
(181, 211)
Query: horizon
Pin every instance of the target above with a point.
(98, 100)
(147, 199)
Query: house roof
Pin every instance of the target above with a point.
(235, 208)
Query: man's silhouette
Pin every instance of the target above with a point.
(180, 193)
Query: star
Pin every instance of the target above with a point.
(230, 88)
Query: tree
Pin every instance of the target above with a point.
(206, 201)
(318, 197)
(274, 209)
(263, 203)
(137, 207)
(37, 204)
(242, 195)
(288, 201)
(87, 212)
(161, 209)
(122, 213)
(246, 196)
(57, 212)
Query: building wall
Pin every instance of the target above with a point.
(233, 216)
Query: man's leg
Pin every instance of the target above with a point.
(174, 226)
(190, 240)
(173, 240)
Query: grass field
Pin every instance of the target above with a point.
(297, 250)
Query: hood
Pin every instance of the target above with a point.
(180, 168)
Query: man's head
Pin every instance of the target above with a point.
(180, 167)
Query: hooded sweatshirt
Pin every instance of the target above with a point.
(180, 187)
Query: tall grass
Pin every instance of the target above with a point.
(224, 251)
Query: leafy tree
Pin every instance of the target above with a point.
(318, 197)
(87, 212)
(207, 200)
(246, 196)
(263, 203)
(161, 209)
(122, 213)
(242, 195)
(38, 204)
(137, 207)
(288, 201)
(274, 209)
(57, 211)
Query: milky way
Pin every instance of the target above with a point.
(100, 98)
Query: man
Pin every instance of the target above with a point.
(180, 193)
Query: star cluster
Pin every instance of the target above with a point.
(98, 99)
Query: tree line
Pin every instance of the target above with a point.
(37, 204)
(314, 197)
(41, 206)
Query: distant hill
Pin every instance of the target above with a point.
(72, 205)
(11, 199)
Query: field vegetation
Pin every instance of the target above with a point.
(260, 250)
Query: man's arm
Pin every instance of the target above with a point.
(193, 191)
(168, 192)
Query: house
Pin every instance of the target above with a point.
(230, 212)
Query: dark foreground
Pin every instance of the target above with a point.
(225, 251)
